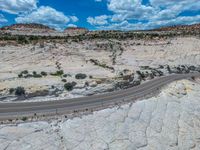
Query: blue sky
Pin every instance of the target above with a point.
(101, 14)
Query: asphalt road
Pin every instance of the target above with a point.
(15, 110)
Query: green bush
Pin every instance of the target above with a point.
(19, 91)
(11, 90)
(22, 40)
(58, 73)
(24, 118)
(64, 80)
(34, 72)
(20, 75)
(81, 76)
(68, 86)
(43, 73)
(24, 72)
(74, 83)
(66, 75)
(37, 76)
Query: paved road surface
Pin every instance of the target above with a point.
(15, 110)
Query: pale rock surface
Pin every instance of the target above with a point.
(74, 58)
(169, 121)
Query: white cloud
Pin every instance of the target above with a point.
(129, 9)
(159, 9)
(98, 20)
(125, 25)
(156, 13)
(45, 15)
(98, 0)
(74, 19)
(3, 19)
(72, 25)
(17, 6)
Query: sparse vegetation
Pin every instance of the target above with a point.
(69, 86)
(64, 80)
(24, 118)
(43, 73)
(80, 76)
(11, 90)
(87, 84)
(25, 74)
(22, 40)
(37, 75)
(58, 73)
(103, 65)
(19, 91)
(67, 75)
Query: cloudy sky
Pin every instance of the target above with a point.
(101, 14)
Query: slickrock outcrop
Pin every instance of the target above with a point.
(73, 31)
(167, 121)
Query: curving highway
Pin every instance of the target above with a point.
(15, 110)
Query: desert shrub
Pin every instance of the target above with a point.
(24, 72)
(65, 75)
(22, 40)
(140, 74)
(145, 67)
(169, 69)
(20, 75)
(24, 118)
(31, 38)
(68, 86)
(64, 80)
(161, 66)
(74, 83)
(43, 73)
(37, 76)
(193, 68)
(136, 83)
(11, 90)
(87, 84)
(103, 65)
(34, 72)
(80, 76)
(19, 91)
(28, 76)
(58, 73)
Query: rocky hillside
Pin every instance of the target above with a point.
(26, 26)
(75, 31)
(27, 29)
(194, 27)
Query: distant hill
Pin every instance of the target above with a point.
(194, 27)
(75, 28)
(25, 26)
(72, 31)
(27, 29)
(40, 29)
